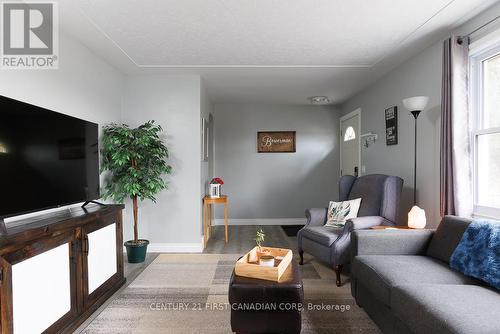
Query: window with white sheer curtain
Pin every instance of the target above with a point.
(485, 103)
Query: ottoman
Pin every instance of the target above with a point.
(260, 306)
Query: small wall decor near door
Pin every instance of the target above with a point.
(391, 126)
(276, 142)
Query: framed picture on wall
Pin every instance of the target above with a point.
(391, 126)
(276, 142)
(204, 139)
(207, 140)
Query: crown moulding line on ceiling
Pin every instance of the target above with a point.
(256, 66)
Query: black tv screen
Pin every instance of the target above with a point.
(47, 159)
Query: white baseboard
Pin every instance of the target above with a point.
(174, 248)
(263, 221)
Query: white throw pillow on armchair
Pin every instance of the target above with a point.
(340, 212)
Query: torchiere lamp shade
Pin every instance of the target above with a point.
(416, 103)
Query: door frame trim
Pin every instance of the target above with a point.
(356, 112)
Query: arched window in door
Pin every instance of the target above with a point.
(350, 134)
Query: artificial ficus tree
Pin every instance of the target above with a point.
(136, 161)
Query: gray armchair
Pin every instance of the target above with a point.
(379, 195)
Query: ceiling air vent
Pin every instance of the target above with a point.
(319, 100)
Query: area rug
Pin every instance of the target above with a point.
(187, 293)
(291, 230)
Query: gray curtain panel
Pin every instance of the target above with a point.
(455, 158)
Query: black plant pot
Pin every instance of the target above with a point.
(136, 252)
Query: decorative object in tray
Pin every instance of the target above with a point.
(266, 261)
(260, 237)
(248, 265)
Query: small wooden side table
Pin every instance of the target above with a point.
(208, 203)
(383, 227)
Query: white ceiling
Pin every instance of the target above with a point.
(267, 51)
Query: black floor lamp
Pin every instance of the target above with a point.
(416, 216)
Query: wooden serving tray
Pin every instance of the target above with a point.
(248, 265)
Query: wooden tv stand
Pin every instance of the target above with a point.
(57, 269)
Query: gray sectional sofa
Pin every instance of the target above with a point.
(402, 279)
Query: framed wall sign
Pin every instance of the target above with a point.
(391, 126)
(207, 141)
(276, 142)
(204, 139)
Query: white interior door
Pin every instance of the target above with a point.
(350, 154)
(102, 256)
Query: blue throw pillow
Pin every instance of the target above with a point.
(478, 252)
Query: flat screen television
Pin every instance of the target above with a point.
(47, 159)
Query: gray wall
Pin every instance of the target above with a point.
(173, 222)
(276, 185)
(420, 75)
(84, 86)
